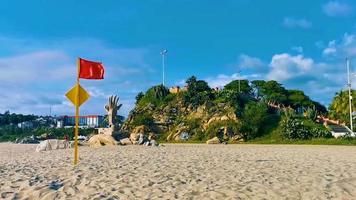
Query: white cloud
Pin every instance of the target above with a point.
(35, 77)
(180, 83)
(348, 39)
(329, 51)
(247, 62)
(221, 80)
(296, 23)
(298, 49)
(345, 47)
(284, 66)
(97, 92)
(337, 9)
(36, 66)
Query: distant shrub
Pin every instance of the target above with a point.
(143, 119)
(139, 96)
(154, 95)
(311, 113)
(321, 133)
(169, 98)
(216, 129)
(294, 129)
(299, 129)
(198, 135)
(253, 117)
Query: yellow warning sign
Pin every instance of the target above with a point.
(82, 97)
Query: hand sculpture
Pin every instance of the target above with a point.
(112, 108)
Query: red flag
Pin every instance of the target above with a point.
(90, 70)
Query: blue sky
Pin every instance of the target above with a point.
(302, 44)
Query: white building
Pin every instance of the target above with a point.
(91, 121)
(24, 125)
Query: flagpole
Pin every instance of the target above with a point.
(76, 117)
(350, 94)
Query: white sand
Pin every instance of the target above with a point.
(180, 172)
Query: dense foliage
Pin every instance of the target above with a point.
(155, 95)
(143, 119)
(248, 101)
(198, 92)
(253, 117)
(11, 133)
(240, 110)
(13, 118)
(40, 126)
(297, 128)
(339, 107)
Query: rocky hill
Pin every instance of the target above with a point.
(198, 113)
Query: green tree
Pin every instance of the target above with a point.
(154, 95)
(297, 98)
(311, 113)
(198, 92)
(143, 119)
(339, 107)
(139, 96)
(245, 88)
(253, 117)
(257, 88)
(196, 86)
(270, 91)
(160, 91)
(320, 108)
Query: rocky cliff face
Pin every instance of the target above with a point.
(173, 120)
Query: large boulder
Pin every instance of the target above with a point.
(210, 121)
(151, 136)
(126, 141)
(224, 118)
(214, 140)
(177, 134)
(153, 143)
(137, 133)
(101, 140)
(29, 140)
(51, 144)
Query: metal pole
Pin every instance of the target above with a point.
(239, 86)
(350, 96)
(239, 72)
(163, 69)
(163, 53)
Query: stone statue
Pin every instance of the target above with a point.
(111, 109)
(107, 136)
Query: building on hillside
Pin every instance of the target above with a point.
(88, 121)
(177, 89)
(185, 88)
(216, 89)
(25, 125)
(174, 89)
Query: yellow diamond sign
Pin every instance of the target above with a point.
(82, 97)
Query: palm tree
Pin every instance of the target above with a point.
(339, 108)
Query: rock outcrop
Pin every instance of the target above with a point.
(101, 140)
(214, 140)
(138, 134)
(126, 141)
(176, 121)
(51, 144)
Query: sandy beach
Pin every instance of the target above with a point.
(180, 171)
